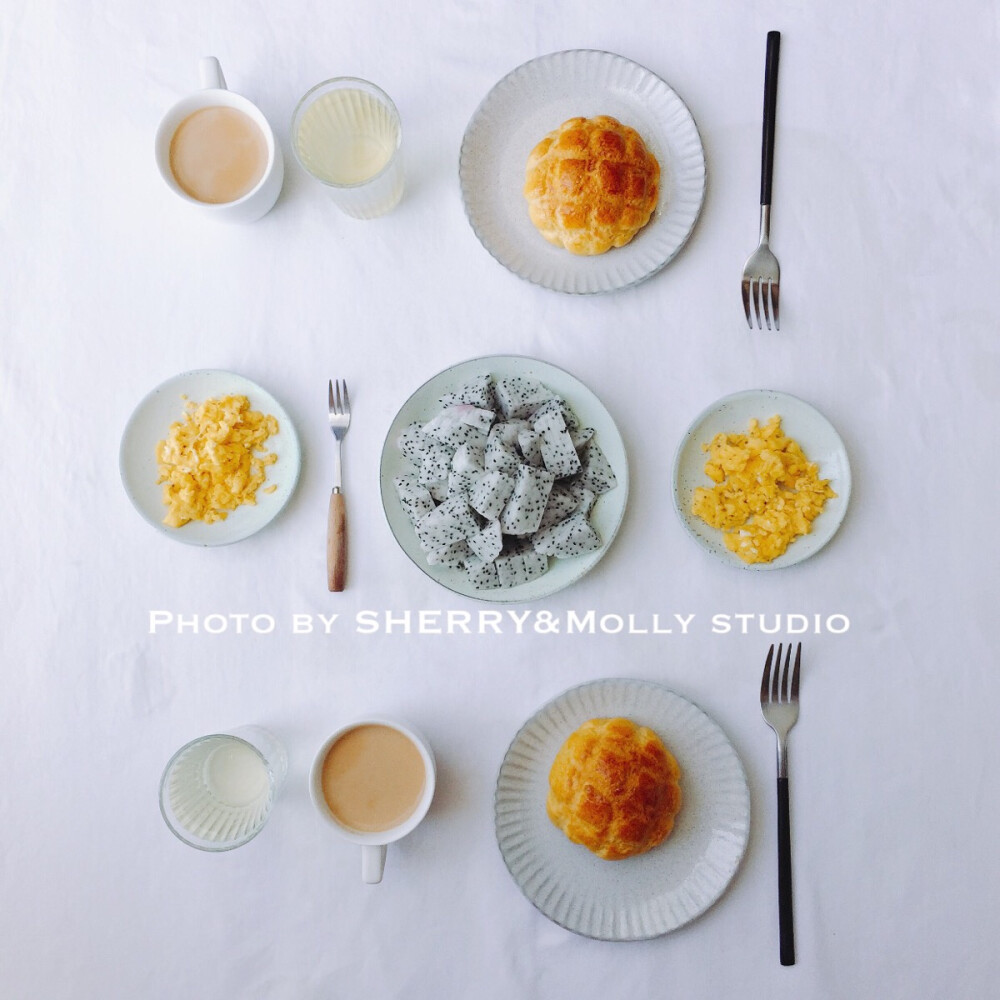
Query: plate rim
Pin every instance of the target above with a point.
(286, 422)
(702, 186)
(789, 558)
(744, 787)
(623, 474)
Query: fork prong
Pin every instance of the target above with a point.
(347, 402)
(766, 301)
(330, 389)
(745, 289)
(755, 290)
(795, 672)
(340, 405)
(765, 681)
(776, 685)
(774, 305)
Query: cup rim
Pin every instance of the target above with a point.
(340, 82)
(207, 98)
(394, 833)
(185, 836)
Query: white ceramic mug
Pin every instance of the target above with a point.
(374, 845)
(260, 199)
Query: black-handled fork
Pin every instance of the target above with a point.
(761, 275)
(779, 701)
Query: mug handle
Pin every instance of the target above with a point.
(210, 72)
(372, 863)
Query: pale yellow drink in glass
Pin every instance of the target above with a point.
(346, 133)
(217, 791)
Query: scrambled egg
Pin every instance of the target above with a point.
(214, 459)
(767, 492)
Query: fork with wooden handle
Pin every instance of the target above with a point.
(336, 529)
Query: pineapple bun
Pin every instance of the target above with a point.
(591, 185)
(614, 788)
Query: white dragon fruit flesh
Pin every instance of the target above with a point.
(452, 429)
(414, 497)
(572, 537)
(451, 521)
(476, 392)
(491, 493)
(504, 479)
(482, 575)
(555, 444)
(524, 509)
(470, 457)
(488, 543)
(596, 473)
(520, 563)
(463, 483)
(454, 556)
(502, 454)
(520, 396)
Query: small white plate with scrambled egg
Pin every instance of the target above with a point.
(760, 492)
(209, 457)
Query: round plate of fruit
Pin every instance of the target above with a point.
(504, 478)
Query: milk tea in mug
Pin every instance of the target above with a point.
(218, 154)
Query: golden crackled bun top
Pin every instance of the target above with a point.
(614, 788)
(591, 184)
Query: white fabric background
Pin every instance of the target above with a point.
(886, 224)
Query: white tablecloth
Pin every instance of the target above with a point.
(886, 219)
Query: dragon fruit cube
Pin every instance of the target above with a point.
(482, 575)
(476, 392)
(523, 511)
(572, 537)
(450, 522)
(501, 447)
(561, 503)
(470, 457)
(519, 563)
(453, 428)
(596, 473)
(488, 543)
(555, 443)
(434, 462)
(455, 556)
(491, 493)
(530, 446)
(414, 497)
(463, 483)
(520, 396)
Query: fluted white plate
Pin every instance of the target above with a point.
(150, 423)
(650, 894)
(799, 420)
(538, 97)
(608, 510)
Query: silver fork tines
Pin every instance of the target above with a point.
(779, 698)
(340, 420)
(779, 702)
(761, 281)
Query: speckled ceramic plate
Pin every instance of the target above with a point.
(538, 97)
(799, 420)
(606, 515)
(150, 423)
(655, 892)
